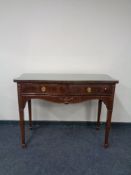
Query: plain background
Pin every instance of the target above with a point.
(65, 36)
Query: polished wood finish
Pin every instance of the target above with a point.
(66, 88)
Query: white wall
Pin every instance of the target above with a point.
(65, 36)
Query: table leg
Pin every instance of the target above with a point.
(30, 114)
(107, 129)
(99, 114)
(22, 127)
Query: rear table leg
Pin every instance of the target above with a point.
(30, 114)
(99, 114)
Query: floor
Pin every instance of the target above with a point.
(63, 149)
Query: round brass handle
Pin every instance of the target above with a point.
(88, 89)
(105, 89)
(43, 89)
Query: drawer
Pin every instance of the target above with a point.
(41, 88)
(66, 89)
(90, 89)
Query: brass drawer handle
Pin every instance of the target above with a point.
(88, 89)
(43, 89)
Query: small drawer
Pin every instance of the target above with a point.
(90, 90)
(47, 89)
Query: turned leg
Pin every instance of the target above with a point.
(107, 128)
(99, 114)
(30, 114)
(22, 127)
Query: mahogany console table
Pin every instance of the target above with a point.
(66, 88)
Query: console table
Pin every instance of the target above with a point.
(66, 88)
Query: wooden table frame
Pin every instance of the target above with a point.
(66, 91)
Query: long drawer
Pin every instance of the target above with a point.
(66, 89)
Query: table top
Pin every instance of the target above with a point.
(65, 77)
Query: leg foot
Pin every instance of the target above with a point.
(30, 127)
(24, 146)
(97, 127)
(106, 145)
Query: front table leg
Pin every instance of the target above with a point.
(107, 129)
(30, 114)
(22, 127)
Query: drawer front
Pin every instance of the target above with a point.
(47, 89)
(66, 89)
(90, 90)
